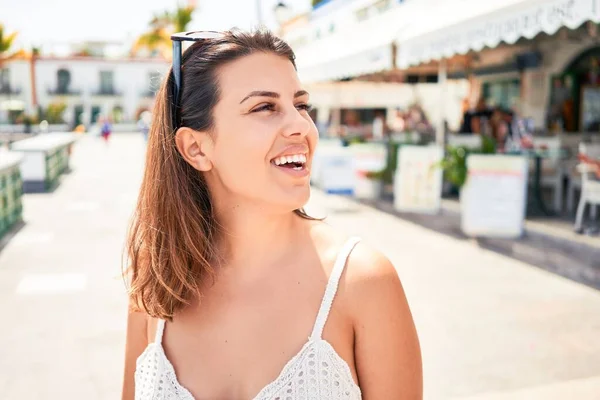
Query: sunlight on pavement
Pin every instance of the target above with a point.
(35, 284)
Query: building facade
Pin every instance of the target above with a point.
(538, 57)
(85, 87)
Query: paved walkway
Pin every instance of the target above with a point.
(491, 328)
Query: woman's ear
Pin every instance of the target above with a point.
(195, 147)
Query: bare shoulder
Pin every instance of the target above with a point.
(387, 350)
(368, 267)
(138, 326)
(371, 280)
(365, 263)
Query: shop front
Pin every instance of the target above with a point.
(535, 65)
(510, 50)
(574, 104)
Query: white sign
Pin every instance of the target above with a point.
(493, 199)
(324, 145)
(418, 179)
(336, 171)
(368, 157)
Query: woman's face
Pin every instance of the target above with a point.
(264, 138)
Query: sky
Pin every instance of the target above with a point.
(48, 23)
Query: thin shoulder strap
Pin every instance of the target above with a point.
(160, 328)
(332, 286)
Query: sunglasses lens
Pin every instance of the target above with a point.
(204, 35)
(198, 35)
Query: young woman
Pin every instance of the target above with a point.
(235, 292)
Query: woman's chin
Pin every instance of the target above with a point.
(295, 199)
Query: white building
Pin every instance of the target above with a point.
(88, 86)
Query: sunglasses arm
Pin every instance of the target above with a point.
(176, 68)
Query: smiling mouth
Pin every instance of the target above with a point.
(295, 161)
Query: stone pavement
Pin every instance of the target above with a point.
(491, 328)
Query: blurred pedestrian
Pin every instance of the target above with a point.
(378, 125)
(144, 124)
(106, 129)
(480, 119)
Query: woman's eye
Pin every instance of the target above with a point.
(305, 107)
(265, 107)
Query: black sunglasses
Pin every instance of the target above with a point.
(177, 38)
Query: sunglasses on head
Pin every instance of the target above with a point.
(176, 39)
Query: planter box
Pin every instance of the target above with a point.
(11, 192)
(45, 159)
(368, 189)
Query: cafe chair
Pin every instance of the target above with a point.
(590, 187)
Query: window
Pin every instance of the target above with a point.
(63, 81)
(96, 111)
(106, 82)
(502, 93)
(4, 80)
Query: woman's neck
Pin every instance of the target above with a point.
(248, 234)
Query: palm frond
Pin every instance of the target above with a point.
(6, 41)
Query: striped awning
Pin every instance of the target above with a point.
(457, 27)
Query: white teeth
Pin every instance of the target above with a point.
(296, 158)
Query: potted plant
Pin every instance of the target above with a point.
(454, 162)
(27, 120)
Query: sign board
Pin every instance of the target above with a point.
(369, 157)
(418, 179)
(493, 200)
(336, 171)
(324, 145)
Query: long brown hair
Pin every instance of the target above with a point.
(172, 239)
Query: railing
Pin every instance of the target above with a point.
(107, 92)
(9, 90)
(63, 92)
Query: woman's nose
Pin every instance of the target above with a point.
(296, 123)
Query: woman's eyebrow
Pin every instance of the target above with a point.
(265, 93)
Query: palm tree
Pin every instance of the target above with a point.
(182, 17)
(6, 42)
(158, 38)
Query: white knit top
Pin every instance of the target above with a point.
(317, 372)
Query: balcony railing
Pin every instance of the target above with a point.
(107, 92)
(63, 92)
(10, 91)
